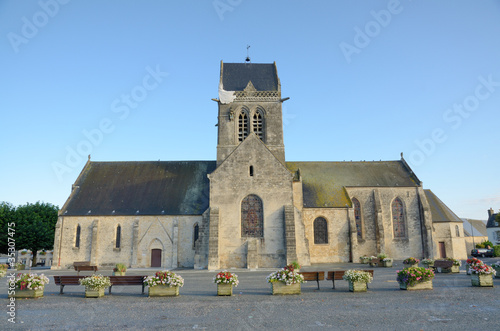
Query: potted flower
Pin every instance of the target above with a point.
(428, 263)
(411, 262)
(43, 252)
(374, 261)
(482, 275)
(385, 261)
(164, 283)
(415, 278)
(20, 266)
(95, 285)
(358, 280)
(225, 282)
(455, 268)
(471, 263)
(364, 259)
(27, 285)
(496, 266)
(3, 272)
(24, 251)
(120, 269)
(285, 281)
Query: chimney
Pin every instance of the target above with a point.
(490, 212)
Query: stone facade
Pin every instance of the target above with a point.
(250, 208)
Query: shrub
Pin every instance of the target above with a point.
(120, 267)
(413, 275)
(497, 250)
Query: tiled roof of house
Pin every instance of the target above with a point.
(143, 188)
(492, 221)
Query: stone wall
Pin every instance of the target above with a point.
(454, 245)
(139, 235)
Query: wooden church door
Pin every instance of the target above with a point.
(156, 258)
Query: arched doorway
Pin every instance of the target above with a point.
(156, 257)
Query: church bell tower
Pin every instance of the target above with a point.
(249, 103)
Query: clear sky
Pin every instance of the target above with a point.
(367, 80)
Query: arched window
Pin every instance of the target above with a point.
(257, 125)
(252, 217)
(242, 126)
(196, 234)
(457, 230)
(320, 231)
(77, 239)
(398, 220)
(357, 217)
(118, 236)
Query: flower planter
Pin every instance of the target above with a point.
(417, 286)
(386, 264)
(414, 265)
(482, 280)
(224, 289)
(374, 263)
(428, 265)
(365, 260)
(27, 293)
(20, 267)
(357, 286)
(282, 288)
(119, 273)
(163, 291)
(94, 293)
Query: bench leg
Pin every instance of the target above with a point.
(143, 288)
(333, 282)
(317, 281)
(109, 292)
(61, 291)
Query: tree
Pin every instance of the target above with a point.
(7, 216)
(35, 227)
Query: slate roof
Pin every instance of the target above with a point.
(474, 227)
(235, 76)
(440, 212)
(143, 188)
(324, 182)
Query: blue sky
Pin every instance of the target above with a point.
(132, 81)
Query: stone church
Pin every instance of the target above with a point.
(250, 208)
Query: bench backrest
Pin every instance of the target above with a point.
(117, 280)
(337, 275)
(443, 264)
(313, 275)
(68, 280)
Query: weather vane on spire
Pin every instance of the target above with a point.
(247, 60)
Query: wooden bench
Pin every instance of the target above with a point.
(115, 281)
(67, 280)
(313, 276)
(127, 281)
(337, 275)
(84, 266)
(442, 264)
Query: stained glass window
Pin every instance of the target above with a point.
(320, 231)
(252, 217)
(357, 217)
(398, 221)
(257, 125)
(242, 126)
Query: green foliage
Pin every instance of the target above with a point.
(479, 246)
(497, 250)
(32, 226)
(487, 243)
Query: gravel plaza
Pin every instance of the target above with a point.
(452, 304)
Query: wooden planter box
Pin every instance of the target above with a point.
(163, 291)
(387, 264)
(357, 286)
(27, 293)
(418, 286)
(365, 260)
(97, 293)
(282, 288)
(224, 289)
(482, 280)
